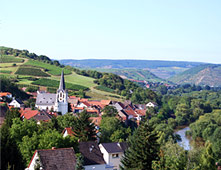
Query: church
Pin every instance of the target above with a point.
(57, 102)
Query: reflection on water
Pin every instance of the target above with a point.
(185, 143)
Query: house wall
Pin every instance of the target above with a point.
(97, 167)
(15, 104)
(33, 162)
(65, 133)
(105, 154)
(45, 107)
(115, 161)
(109, 159)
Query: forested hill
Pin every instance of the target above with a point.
(208, 74)
(149, 70)
(137, 64)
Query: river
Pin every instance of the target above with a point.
(185, 143)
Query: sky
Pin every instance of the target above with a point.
(179, 30)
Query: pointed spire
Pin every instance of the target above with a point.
(62, 84)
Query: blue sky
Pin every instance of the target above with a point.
(183, 30)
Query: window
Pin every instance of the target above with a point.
(115, 155)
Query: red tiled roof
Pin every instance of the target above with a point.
(141, 112)
(86, 103)
(130, 112)
(69, 131)
(105, 102)
(28, 113)
(4, 93)
(96, 120)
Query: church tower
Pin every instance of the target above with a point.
(61, 104)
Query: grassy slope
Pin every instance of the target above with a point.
(55, 72)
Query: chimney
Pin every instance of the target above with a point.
(53, 148)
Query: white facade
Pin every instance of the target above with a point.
(33, 162)
(112, 159)
(150, 104)
(98, 167)
(15, 104)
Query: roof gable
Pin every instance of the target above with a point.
(57, 159)
(91, 153)
(115, 147)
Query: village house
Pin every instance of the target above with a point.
(53, 159)
(151, 104)
(112, 153)
(28, 113)
(16, 103)
(5, 94)
(93, 158)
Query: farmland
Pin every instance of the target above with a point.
(51, 69)
(55, 83)
(10, 59)
(31, 71)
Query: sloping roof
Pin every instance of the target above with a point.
(57, 159)
(73, 101)
(141, 112)
(115, 147)
(4, 94)
(130, 112)
(91, 153)
(86, 103)
(96, 120)
(62, 83)
(105, 102)
(46, 99)
(42, 116)
(28, 113)
(69, 131)
(18, 100)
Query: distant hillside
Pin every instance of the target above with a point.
(136, 74)
(162, 69)
(136, 64)
(208, 74)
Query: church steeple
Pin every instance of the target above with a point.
(62, 84)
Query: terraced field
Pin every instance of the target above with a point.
(10, 59)
(51, 69)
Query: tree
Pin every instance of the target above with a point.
(79, 162)
(12, 157)
(110, 111)
(143, 149)
(83, 128)
(112, 130)
(207, 158)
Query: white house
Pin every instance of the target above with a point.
(93, 158)
(16, 103)
(151, 104)
(112, 153)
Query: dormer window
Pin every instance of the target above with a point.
(115, 155)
